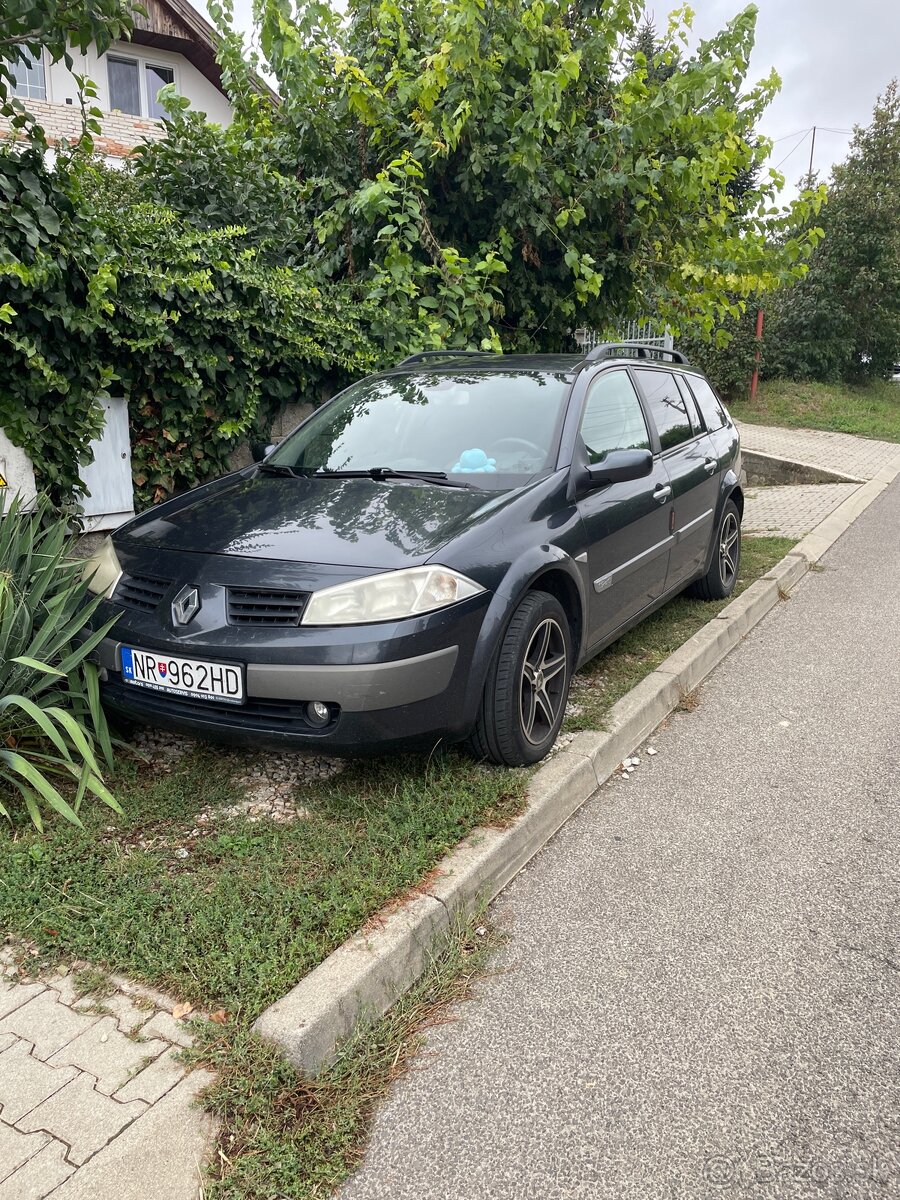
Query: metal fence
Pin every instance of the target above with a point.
(630, 331)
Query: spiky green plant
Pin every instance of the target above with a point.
(52, 727)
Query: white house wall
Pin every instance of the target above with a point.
(202, 94)
(60, 115)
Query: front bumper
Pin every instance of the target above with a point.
(364, 687)
(419, 698)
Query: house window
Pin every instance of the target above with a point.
(30, 79)
(134, 86)
(124, 85)
(157, 77)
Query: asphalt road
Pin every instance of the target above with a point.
(701, 988)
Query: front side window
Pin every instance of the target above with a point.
(667, 407)
(157, 77)
(613, 419)
(494, 429)
(124, 85)
(30, 79)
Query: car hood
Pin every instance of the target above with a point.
(340, 522)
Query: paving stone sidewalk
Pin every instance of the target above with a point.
(794, 511)
(93, 1104)
(843, 452)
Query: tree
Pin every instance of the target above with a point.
(499, 171)
(842, 321)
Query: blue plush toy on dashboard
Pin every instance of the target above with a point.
(472, 461)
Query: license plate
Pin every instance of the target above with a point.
(183, 676)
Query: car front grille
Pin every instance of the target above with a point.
(267, 608)
(140, 591)
(255, 714)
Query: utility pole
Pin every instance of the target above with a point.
(812, 149)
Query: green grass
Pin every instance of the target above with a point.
(283, 1136)
(606, 678)
(253, 907)
(872, 411)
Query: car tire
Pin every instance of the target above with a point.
(718, 582)
(525, 695)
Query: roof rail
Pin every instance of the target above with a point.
(641, 349)
(424, 355)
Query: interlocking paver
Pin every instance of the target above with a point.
(14, 995)
(129, 1016)
(159, 1157)
(39, 1176)
(107, 1054)
(82, 1118)
(792, 511)
(46, 1023)
(154, 1081)
(860, 457)
(61, 1132)
(17, 1147)
(26, 1082)
(165, 1026)
(65, 988)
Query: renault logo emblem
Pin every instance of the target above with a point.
(186, 605)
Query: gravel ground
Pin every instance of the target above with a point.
(273, 783)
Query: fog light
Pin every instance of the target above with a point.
(318, 713)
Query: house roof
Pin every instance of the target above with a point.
(177, 26)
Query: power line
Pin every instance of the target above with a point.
(806, 134)
(785, 136)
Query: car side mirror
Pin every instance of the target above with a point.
(619, 466)
(259, 450)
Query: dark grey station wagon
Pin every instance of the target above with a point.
(428, 557)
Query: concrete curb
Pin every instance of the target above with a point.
(369, 972)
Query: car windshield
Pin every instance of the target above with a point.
(492, 429)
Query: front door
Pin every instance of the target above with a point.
(690, 459)
(627, 524)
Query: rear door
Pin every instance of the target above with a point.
(627, 524)
(692, 465)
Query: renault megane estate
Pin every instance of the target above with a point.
(427, 557)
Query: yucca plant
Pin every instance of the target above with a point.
(52, 727)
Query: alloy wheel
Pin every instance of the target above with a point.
(542, 691)
(729, 549)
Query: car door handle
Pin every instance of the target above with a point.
(711, 465)
(662, 492)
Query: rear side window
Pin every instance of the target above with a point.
(687, 397)
(708, 401)
(667, 407)
(613, 418)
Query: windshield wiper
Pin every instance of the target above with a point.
(441, 478)
(277, 469)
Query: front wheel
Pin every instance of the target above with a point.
(718, 582)
(524, 699)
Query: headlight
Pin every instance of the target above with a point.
(388, 597)
(102, 569)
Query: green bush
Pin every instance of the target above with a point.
(202, 331)
(51, 722)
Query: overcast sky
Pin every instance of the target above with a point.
(833, 56)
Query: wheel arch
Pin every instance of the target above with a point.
(563, 588)
(737, 495)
